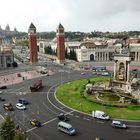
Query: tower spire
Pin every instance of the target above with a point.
(33, 43)
(60, 44)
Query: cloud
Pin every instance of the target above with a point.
(82, 15)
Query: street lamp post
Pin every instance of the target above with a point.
(24, 125)
(68, 74)
(61, 77)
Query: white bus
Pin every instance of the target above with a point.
(66, 127)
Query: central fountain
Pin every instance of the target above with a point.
(122, 59)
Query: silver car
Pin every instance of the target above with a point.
(118, 124)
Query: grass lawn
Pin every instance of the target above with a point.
(109, 97)
(70, 95)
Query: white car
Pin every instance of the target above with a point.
(118, 124)
(83, 73)
(20, 106)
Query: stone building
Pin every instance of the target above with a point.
(6, 56)
(97, 50)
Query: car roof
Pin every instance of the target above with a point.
(22, 99)
(7, 104)
(61, 114)
(117, 122)
(19, 104)
(65, 124)
(34, 120)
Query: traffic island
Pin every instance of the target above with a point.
(73, 95)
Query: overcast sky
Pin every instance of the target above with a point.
(75, 15)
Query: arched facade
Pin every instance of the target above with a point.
(6, 57)
(92, 58)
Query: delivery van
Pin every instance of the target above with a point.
(100, 115)
(66, 128)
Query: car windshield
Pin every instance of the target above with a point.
(35, 121)
(71, 129)
(61, 114)
(104, 115)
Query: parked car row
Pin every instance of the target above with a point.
(105, 73)
(20, 105)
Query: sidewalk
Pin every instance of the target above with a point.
(18, 77)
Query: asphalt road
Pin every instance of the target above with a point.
(44, 107)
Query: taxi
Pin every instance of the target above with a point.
(35, 122)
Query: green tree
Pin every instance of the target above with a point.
(72, 55)
(49, 50)
(66, 53)
(7, 131)
(19, 136)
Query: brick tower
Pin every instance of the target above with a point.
(60, 44)
(33, 44)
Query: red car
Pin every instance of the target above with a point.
(3, 87)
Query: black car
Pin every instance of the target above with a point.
(62, 117)
(23, 101)
(3, 87)
(8, 107)
(2, 99)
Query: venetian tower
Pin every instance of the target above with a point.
(33, 44)
(60, 44)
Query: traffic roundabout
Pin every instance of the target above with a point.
(44, 107)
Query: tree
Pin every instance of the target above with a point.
(7, 131)
(72, 55)
(66, 53)
(15, 64)
(49, 50)
(19, 136)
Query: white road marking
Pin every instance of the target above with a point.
(86, 119)
(42, 124)
(49, 121)
(77, 116)
(32, 113)
(136, 126)
(62, 107)
(136, 138)
(69, 112)
(51, 102)
(99, 122)
(2, 117)
(19, 89)
(133, 131)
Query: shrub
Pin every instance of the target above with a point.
(134, 101)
